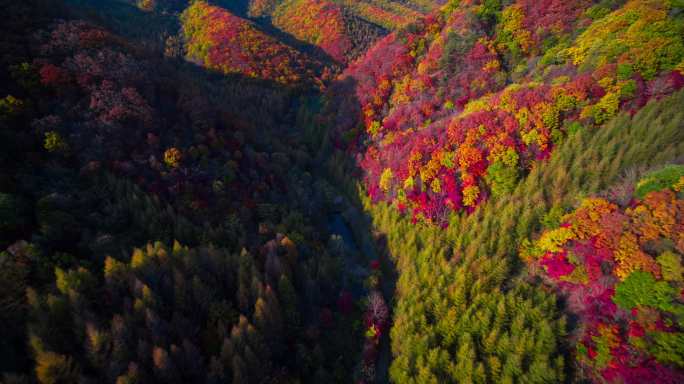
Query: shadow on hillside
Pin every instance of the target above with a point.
(126, 19)
(241, 7)
(266, 26)
(191, 100)
(150, 29)
(188, 102)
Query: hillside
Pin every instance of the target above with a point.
(219, 40)
(336, 191)
(154, 229)
(342, 29)
(641, 289)
(390, 14)
(457, 93)
(486, 122)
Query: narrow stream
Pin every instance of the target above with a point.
(359, 253)
(355, 265)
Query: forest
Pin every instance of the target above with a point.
(337, 191)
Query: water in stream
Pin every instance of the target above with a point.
(357, 258)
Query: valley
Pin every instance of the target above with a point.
(336, 191)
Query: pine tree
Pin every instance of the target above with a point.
(288, 298)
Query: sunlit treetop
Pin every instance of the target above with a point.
(642, 35)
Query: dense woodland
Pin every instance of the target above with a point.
(335, 191)
(486, 123)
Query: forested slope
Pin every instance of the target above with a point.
(466, 309)
(461, 104)
(480, 125)
(342, 29)
(159, 221)
(222, 41)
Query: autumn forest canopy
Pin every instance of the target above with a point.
(342, 191)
